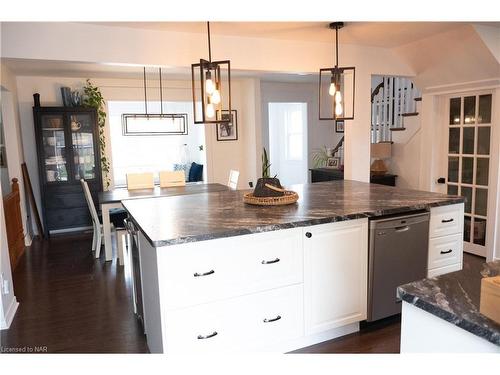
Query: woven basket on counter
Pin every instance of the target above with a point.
(288, 197)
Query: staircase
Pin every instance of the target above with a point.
(394, 99)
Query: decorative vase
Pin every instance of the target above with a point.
(261, 190)
(66, 96)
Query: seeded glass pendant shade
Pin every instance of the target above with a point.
(211, 85)
(336, 87)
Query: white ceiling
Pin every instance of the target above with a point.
(376, 34)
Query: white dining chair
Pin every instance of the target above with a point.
(233, 179)
(120, 232)
(140, 181)
(175, 178)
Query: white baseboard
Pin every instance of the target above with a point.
(9, 314)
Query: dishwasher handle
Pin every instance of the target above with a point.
(403, 228)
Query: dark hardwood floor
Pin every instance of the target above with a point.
(73, 303)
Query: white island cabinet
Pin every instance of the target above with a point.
(272, 291)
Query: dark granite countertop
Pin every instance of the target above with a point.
(455, 298)
(198, 217)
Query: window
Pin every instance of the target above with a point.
(152, 153)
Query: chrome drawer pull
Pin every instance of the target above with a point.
(201, 337)
(196, 274)
(447, 220)
(446, 252)
(271, 261)
(272, 320)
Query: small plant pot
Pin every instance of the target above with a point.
(261, 190)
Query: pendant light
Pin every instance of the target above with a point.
(336, 87)
(211, 86)
(154, 123)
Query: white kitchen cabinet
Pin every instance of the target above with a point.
(446, 230)
(335, 274)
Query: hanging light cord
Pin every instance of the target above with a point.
(209, 46)
(161, 95)
(145, 95)
(336, 46)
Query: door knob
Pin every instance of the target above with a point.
(441, 180)
(308, 234)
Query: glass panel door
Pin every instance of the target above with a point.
(82, 137)
(54, 148)
(469, 130)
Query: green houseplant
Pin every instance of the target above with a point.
(92, 97)
(267, 186)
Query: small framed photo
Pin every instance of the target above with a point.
(228, 131)
(333, 163)
(339, 126)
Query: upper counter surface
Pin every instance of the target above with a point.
(199, 217)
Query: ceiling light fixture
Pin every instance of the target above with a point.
(154, 123)
(336, 87)
(211, 85)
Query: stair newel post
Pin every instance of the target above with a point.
(397, 118)
(391, 100)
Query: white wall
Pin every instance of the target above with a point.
(319, 133)
(13, 139)
(8, 301)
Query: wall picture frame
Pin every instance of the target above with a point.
(333, 163)
(339, 126)
(228, 131)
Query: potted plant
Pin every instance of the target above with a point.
(268, 186)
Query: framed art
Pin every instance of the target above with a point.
(333, 163)
(339, 126)
(228, 131)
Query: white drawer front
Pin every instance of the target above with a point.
(229, 267)
(237, 324)
(446, 220)
(444, 251)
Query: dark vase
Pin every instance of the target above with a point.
(66, 96)
(261, 190)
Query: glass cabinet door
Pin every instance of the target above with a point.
(82, 137)
(54, 148)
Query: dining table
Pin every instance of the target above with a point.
(112, 199)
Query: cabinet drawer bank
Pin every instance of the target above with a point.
(274, 291)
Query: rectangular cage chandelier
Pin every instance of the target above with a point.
(211, 86)
(336, 87)
(134, 124)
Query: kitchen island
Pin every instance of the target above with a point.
(442, 314)
(219, 275)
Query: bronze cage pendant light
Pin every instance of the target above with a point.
(336, 87)
(211, 86)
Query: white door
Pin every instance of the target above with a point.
(288, 142)
(468, 144)
(335, 274)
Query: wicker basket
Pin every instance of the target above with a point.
(289, 198)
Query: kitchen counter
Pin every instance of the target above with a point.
(182, 219)
(455, 298)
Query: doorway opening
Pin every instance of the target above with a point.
(288, 142)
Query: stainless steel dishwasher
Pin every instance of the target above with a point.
(397, 255)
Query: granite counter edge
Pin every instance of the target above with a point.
(292, 224)
(439, 312)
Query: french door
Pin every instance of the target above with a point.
(469, 124)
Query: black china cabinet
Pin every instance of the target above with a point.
(67, 141)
